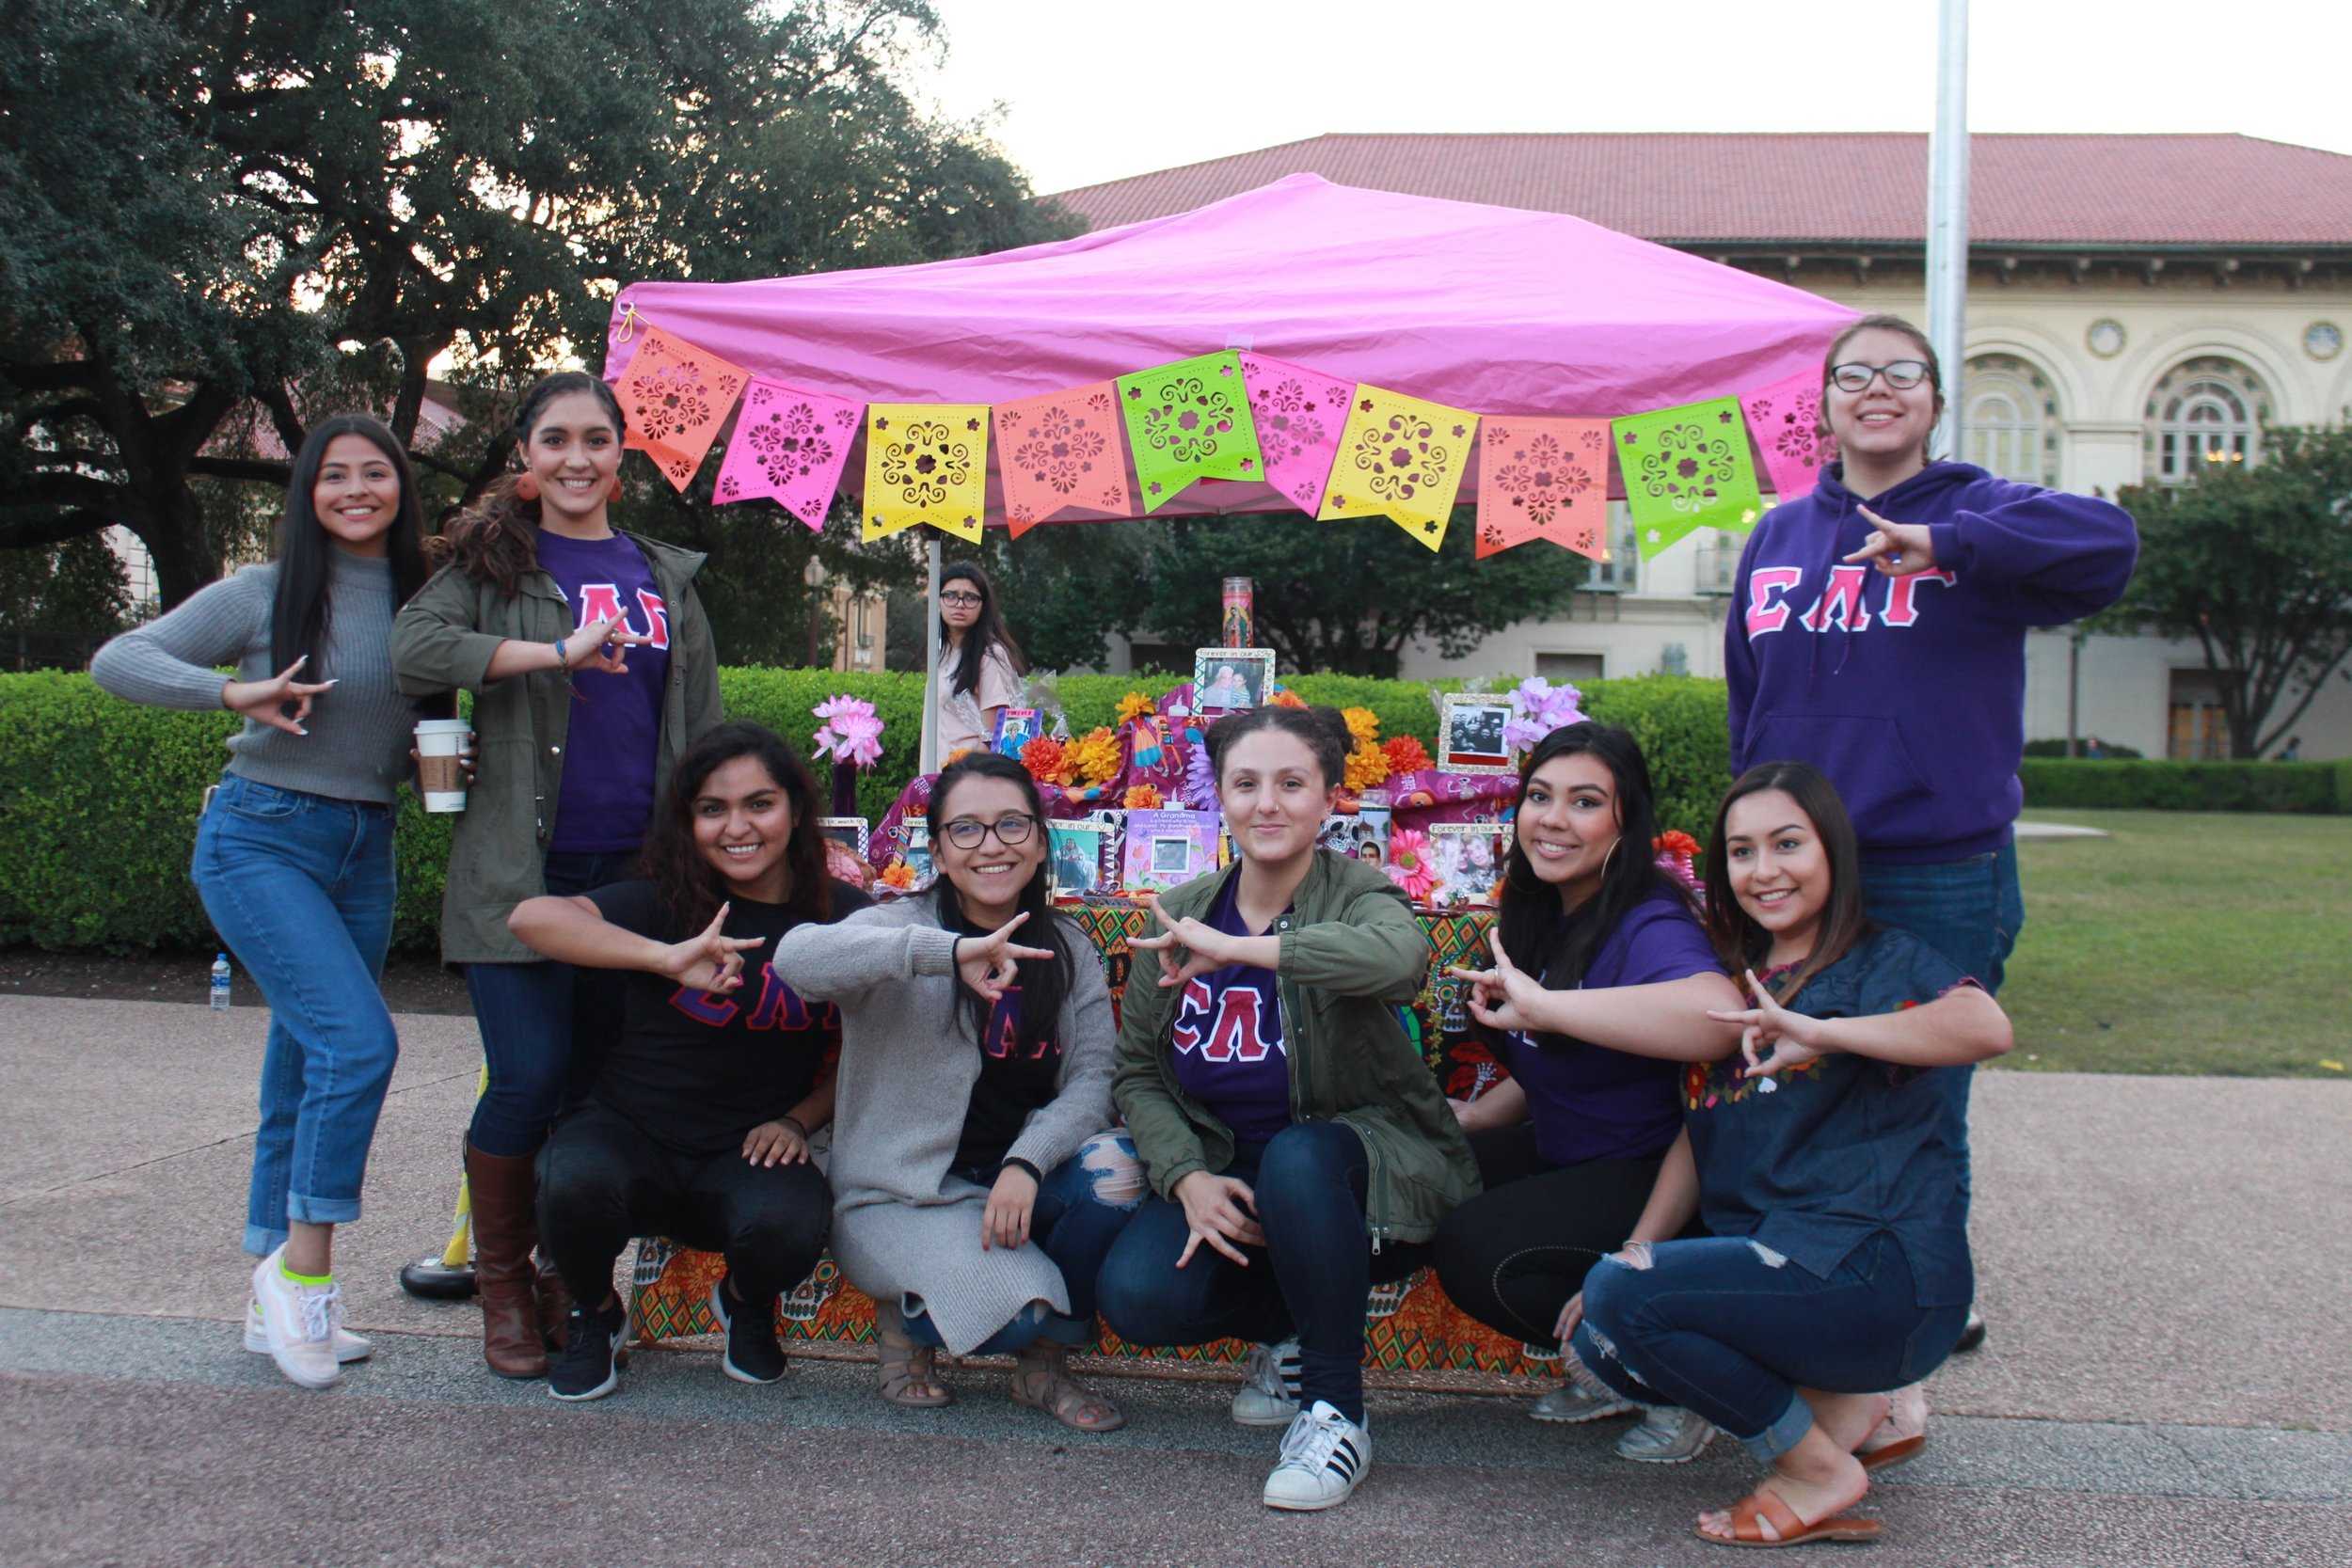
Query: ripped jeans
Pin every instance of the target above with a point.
(1082, 1206)
(1730, 1330)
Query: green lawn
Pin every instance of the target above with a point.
(2189, 942)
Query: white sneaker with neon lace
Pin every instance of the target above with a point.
(1583, 1398)
(1666, 1435)
(299, 1322)
(1325, 1455)
(1268, 1395)
(349, 1347)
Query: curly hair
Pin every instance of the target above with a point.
(690, 887)
(496, 539)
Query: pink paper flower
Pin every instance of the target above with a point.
(1538, 708)
(1408, 865)
(850, 732)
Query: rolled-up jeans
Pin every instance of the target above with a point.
(300, 887)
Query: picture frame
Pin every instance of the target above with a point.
(917, 853)
(1015, 728)
(850, 831)
(1361, 835)
(1467, 858)
(1469, 733)
(1167, 849)
(1074, 857)
(1229, 680)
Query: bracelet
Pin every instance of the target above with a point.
(563, 660)
(1013, 1162)
(794, 1123)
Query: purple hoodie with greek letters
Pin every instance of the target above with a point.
(1910, 692)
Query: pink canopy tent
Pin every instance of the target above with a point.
(1489, 309)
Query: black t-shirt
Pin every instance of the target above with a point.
(1013, 1083)
(696, 1072)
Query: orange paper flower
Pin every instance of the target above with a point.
(1406, 754)
(1143, 798)
(1095, 758)
(1046, 760)
(1135, 706)
(1285, 697)
(1366, 768)
(1363, 724)
(1673, 841)
(898, 874)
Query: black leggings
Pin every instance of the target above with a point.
(1512, 1256)
(602, 1182)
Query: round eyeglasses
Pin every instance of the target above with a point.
(966, 833)
(1855, 376)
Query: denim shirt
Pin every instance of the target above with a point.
(1844, 1147)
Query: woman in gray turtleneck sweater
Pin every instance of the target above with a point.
(294, 854)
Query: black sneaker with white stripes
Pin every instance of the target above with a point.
(1324, 1455)
(584, 1368)
(753, 1353)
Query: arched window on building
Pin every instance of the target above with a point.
(2009, 421)
(2207, 410)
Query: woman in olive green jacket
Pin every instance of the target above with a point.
(591, 664)
(1300, 1147)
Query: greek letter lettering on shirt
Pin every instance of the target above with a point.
(1223, 1025)
(601, 601)
(1003, 1041)
(1841, 603)
(779, 1006)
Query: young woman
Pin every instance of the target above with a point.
(1300, 1148)
(590, 665)
(698, 1120)
(1881, 637)
(1830, 1156)
(979, 663)
(1571, 1145)
(294, 854)
(978, 1189)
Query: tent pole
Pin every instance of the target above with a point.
(931, 662)
(1947, 216)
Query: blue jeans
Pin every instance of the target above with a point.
(300, 887)
(1732, 1330)
(1082, 1206)
(1970, 911)
(526, 1012)
(1312, 1275)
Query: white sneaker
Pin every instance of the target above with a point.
(1323, 1456)
(1666, 1435)
(1268, 1395)
(1583, 1398)
(298, 1321)
(349, 1347)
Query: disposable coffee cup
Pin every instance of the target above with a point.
(441, 773)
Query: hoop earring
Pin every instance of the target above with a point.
(527, 487)
(1610, 858)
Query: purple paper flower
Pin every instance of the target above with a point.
(1538, 708)
(851, 732)
(1199, 786)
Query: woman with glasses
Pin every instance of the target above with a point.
(1881, 637)
(977, 1191)
(979, 664)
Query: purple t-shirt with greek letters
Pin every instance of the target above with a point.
(606, 798)
(1228, 1038)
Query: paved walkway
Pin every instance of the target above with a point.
(2169, 1380)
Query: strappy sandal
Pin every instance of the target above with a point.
(1040, 1380)
(1760, 1508)
(907, 1367)
(1902, 1432)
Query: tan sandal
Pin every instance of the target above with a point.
(1901, 1435)
(1041, 1381)
(1759, 1509)
(907, 1367)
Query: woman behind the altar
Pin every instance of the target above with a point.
(979, 663)
(1581, 1148)
(979, 1187)
(1299, 1148)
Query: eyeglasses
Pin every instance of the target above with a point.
(1013, 827)
(960, 598)
(1855, 376)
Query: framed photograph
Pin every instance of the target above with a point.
(845, 830)
(1362, 836)
(1015, 728)
(1225, 680)
(1469, 733)
(1165, 849)
(917, 853)
(1073, 857)
(1468, 859)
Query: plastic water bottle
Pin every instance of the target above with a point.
(220, 983)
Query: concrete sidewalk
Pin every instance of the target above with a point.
(2164, 1262)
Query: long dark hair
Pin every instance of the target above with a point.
(988, 631)
(297, 622)
(1740, 941)
(1320, 730)
(1044, 983)
(496, 539)
(1883, 322)
(1544, 938)
(691, 887)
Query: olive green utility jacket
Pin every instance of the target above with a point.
(442, 640)
(1352, 950)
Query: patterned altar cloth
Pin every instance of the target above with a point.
(1414, 1336)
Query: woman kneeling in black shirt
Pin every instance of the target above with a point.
(697, 1124)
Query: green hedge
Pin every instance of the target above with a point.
(99, 798)
(2054, 784)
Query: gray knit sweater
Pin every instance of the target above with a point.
(357, 748)
(901, 1224)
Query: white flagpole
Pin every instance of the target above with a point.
(1948, 215)
(930, 761)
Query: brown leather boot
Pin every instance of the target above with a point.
(505, 1229)
(555, 1306)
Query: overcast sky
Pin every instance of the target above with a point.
(1101, 89)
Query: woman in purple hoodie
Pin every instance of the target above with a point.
(1877, 632)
